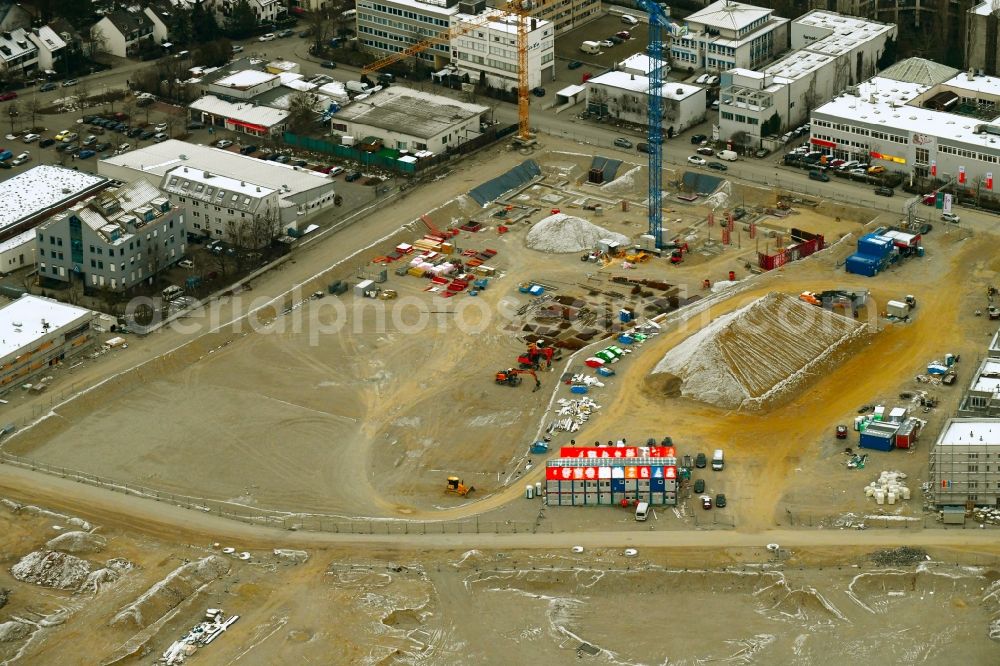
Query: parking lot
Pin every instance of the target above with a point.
(568, 45)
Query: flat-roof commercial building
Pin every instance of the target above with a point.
(301, 193)
(490, 50)
(982, 398)
(728, 34)
(624, 96)
(831, 53)
(408, 119)
(243, 84)
(37, 332)
(112, 241)
(965, 463)
(949, 129)
(244, 117)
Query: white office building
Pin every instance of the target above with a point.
(727, 34)
(625, 97)
(490, 49)
(948, 130)
(389, 26)
(831, 53)
(965, 463)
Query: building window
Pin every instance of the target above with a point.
(973, 468)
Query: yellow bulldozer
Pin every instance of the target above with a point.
(458, 487)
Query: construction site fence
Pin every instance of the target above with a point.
(922, 521)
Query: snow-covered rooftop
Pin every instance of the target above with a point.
(983, 8)
(988, 85)
(41, 188)
(963, 432)
(409, 111)
(846, 32)
(18, 240)
(885, 102)
(247, 78)
(728, 15)
(640, 63)
(23, 321)
(988, 378)
(47, 38)
(640, 84)
(504, 23)
(245, 112)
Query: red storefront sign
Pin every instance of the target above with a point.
(822, 142)
(249, 126)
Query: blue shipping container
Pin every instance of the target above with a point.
(618, 485)
(877, 441)
(859, 264)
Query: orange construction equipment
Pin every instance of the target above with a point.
(810, 297)
(458, 487)
(511, 377)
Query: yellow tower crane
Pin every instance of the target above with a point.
(519, 9)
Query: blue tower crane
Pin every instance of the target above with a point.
(658, 24)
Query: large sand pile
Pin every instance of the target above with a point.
(566, 233)
(753, 355)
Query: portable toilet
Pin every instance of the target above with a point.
(879, 412)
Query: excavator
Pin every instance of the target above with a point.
(512, 377)
(458, 487)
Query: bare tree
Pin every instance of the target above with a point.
(33, 106)
(96, 43)
(82, 93)
(13, 112)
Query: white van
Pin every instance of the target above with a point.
(172, 292)
(590, 47)
(641, 511)
(717, 460)
(728, 155)
(628, 19)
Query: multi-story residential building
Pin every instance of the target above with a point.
(728, 34)
(39, 333)
(564, 15)
(965, 463)
(18, 53)
(51, 47)
(240, 212)
(122, 32)
(831, 52)
(490, 50)
(982, 47)
(624, 96)
(389, 26)
(113, 241)
(950, 130)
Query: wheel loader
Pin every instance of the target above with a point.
(458, 487)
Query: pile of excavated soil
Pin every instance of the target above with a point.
(754, 355)
(13, 630)
(77, 542)
(178, 585)
(51, 569)
(566, 233)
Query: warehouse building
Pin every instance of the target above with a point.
(112, 241)
(37, 332)
(242, 84)
(607, 476)
(625, 97)
(830, 53)
(948, 130)
(302, 194)
(727, 34)
(982, 398)
(406, 119)
(965, 463)
(244, 117)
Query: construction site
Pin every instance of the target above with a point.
(417, 385)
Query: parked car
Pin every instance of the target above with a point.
(538, 92)
(21, 159)
(352, 176)
(628, 19)
(283, 159)
(223, 143)
(761, 152)
(611, 41)
(101, 147)
(335, 171)
(622, 142)
(642, 147)
(876, 170)
(698, 138)
(195, 125)
(328, 64)
(45, 87)
(699, 486)
(705, 151)
(89, 141)
(124, 147)
(29, 138)
(144, 101)
(951, 217)
(160, 127)
(70, 82)
(701, 79)
(700, 461)
(819, 175)
(267, 37)
(575, 64)
(706, 502)
(84, 154)
(62, 135)
(70, 148)
(837, 163)
(96, 130)
(712, 80)
(718, 166)
(146, 134)
(237, 48)
(7, 96)
(160, 137)
(623, 34)
(45, 143)
(697, 160)
(5, 165)
(720, 501)
(185, 263)
(841, 432)
(247, 150)
(715, 105)
(285, 33)
(884, 191)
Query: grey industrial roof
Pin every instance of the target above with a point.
(127, 21)
(918, 70)
(409, 112)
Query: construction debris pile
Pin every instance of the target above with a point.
(49, 568)
(572, 414)
(904, 556)
(756, 354)
(560, 233)
(200, 635)
(888, 488)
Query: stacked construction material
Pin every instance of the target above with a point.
(888, 488)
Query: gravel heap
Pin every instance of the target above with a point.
(565, 233)
(51, 569)
(899, 557)
(3, 597)
(13, 630)
(77, 542)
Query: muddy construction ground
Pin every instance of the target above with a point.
(387, 606)
(355, 407)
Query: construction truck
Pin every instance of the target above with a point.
(512, 377)
(458, 487)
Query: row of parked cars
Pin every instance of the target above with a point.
(282, 158)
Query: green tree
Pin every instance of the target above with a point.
(179, 25)
(215, 53)
(241, 20)
(301, 112)
(203, 25)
